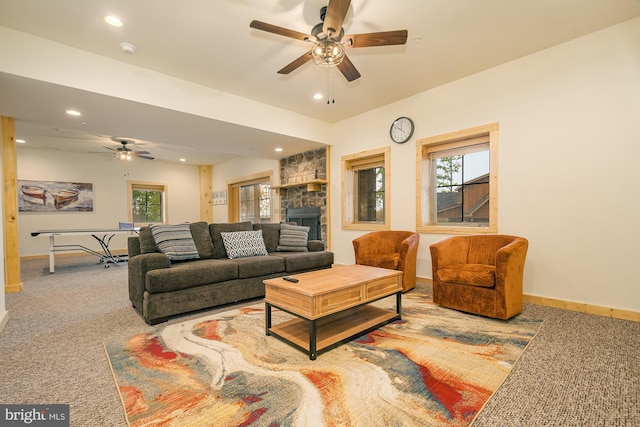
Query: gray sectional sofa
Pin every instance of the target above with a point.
(160, 287)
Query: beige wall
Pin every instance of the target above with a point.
(568, 162)
(109, 178)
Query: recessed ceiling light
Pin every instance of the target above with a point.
(21, 141)
(73, 113)
(278, 149)
(317, 96)
(113, 20)
(127, 47)
(183, 160)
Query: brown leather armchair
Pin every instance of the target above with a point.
(480, 274)
(395, 250)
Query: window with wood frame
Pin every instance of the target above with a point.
(457, 182)
(365, 190)
(147, 202)
(249, 198)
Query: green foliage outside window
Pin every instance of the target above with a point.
(147, 206)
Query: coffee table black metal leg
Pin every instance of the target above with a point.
(312, 340)
(267, 317)
(399, 305)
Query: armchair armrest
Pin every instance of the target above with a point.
(510, 261)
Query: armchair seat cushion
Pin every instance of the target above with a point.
(469, 274)
(390, 260)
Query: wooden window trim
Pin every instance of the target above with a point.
(154, 186)
(448, 141)
(233, 192)
(365, 160)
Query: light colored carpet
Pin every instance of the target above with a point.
(579, 370)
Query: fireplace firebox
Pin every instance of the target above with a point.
(310, 217)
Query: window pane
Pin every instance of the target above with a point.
(255, 203)
(147, 206)
(462, 188)
(370, 195)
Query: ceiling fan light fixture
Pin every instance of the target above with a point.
(124, 155)
(327, 53)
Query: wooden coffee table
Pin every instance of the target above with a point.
(331, 306)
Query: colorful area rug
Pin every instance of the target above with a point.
(435, 367)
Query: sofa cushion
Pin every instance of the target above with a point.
(469, 274)
(241, 244)
(175, 241)
(202, 239)
(258, 266)
(147, 243)
(216, 238)
(299, 261)
(183, 275)
(388, 260)
(270, 234)
(293, 238)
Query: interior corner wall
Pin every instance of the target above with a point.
(109, 178)
(568, 154)
(4, 314)
(236, 169)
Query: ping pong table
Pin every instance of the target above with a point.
(102, 235)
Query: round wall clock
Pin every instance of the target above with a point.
(401, 130)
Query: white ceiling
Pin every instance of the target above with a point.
(210, 43)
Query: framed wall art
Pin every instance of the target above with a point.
(54, 196)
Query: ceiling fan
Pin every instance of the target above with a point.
(125, 153)
(329, 40)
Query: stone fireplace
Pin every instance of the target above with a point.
(304, 191)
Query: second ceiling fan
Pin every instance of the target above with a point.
(329, 40)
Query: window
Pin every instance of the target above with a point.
(365, 192)
(457, 182)
(255, 202)
(148, 202)
(250, 198)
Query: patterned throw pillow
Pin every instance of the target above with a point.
(175, 241)
(240, 244)
(293, 238)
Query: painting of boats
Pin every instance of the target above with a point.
(55, 196)
(34, 194)
(63, 197)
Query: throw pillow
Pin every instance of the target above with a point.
(216, 238)
(293, 238)
(202, 239)
(240, 244)
(175, 241)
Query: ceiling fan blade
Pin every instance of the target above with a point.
(274, 29)
(141, 152)
(384, 38)
(334, 17)
(109, 148)
(348, 70)
(145, 157)
(295, 64)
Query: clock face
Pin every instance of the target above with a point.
(401, 130)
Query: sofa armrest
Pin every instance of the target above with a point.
(133, 246)
(315, 245)
(138, 267)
